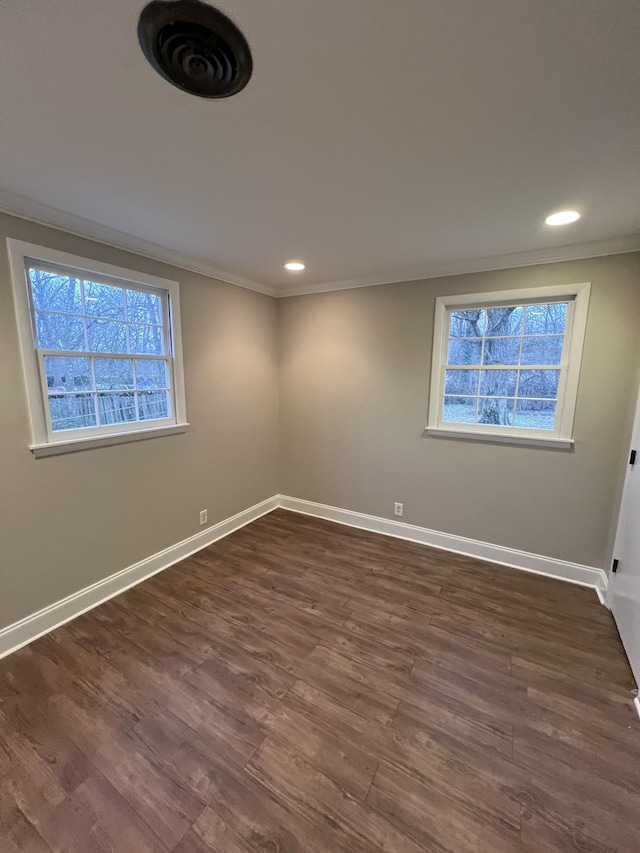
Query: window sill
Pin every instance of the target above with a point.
(73, 446)
(531, 441)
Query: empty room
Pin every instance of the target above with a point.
(319, 382)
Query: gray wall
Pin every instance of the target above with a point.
(354, 382)
(351, 402)
(68, 521)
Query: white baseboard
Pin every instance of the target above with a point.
(536, 563)
(636, 702)
(13, 637)
(26, 630)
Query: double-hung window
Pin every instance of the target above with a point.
(506, 365)
(100, 348)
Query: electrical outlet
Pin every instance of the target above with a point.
(398, 509)
(203, 516)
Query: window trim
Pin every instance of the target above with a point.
(562, 435)
(43, 441)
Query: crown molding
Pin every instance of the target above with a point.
(579, 251)
(52, 217)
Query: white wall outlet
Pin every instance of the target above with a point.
(204, 514)
(398, 509)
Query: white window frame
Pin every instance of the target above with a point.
(45, 442)
(577, 295)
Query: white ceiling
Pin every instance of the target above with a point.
(378, 140)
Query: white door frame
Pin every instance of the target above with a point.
(634, 442)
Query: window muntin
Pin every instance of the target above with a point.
(62, 312)
(506, 364)
(103, 350)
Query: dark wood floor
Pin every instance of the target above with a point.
(302, 686)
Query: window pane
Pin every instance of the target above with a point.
(498, 383)
(114, 373)
(464, 352)
(542, 350)
(546, 319)
(153, 404)
(538, 383)
(58, 331)
(461, 382)
(143, 307)
(106, 336)
(116, 408)
(535, 414)
(72, 411)
(501, 351)
(497, 411)
(54, 292)
(467, 324)
(104, 300)
(151, 374)
(459, 410)
(146, 339)
(103, 351)
(504, 321)
(67, 374)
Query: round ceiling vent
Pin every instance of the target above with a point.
(195, 47)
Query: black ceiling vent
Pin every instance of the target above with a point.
(195, 47)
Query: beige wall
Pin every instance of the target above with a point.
(68, 521)
(354, 375)
(354, 383)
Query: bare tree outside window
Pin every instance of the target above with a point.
(112, 367)
(503, 365)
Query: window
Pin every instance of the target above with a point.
(100, 348)
(506, 364)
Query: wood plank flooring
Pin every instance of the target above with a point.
(306, 687)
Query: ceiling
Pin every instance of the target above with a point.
(378, 140)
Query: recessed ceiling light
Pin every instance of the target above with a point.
(294, 266)
(562, 217)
